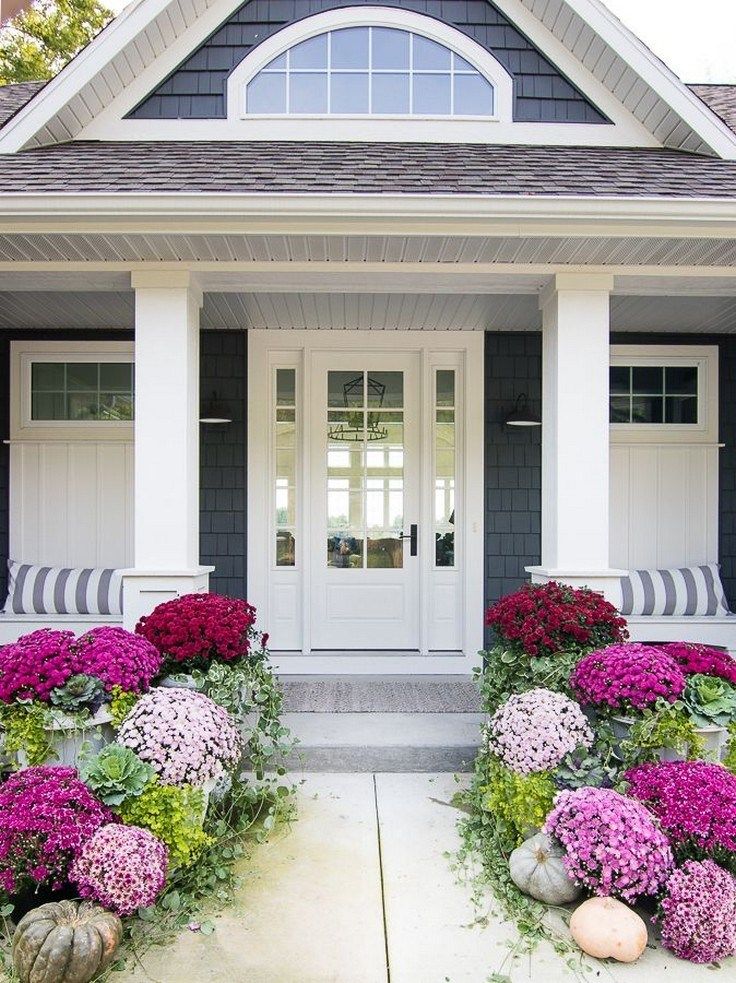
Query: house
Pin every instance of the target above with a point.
(377, 237)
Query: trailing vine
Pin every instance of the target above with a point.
(666, 725)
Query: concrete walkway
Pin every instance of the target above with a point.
(360, 891)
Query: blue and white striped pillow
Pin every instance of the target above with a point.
(696, 591)
(63, 590)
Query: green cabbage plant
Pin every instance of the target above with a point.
(79, 692)
(115, 774)
(711, 701)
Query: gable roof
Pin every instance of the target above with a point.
(145, 33)
(14, 96)
(721, 99)
(263, 167)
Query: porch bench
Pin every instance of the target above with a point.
(705, 629)
(12, 626)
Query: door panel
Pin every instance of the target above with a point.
(364, 496)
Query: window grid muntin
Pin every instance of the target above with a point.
(661, 394)
(68, 390)
(370, 71)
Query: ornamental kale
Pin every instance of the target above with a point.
(710, 700)
(35, 665)
(542, 619)
(79, 692)
(116, 773)
(123, 868)
(695, 803)
(612, 844)
(185, 736)
(193, 630)
(535, 730)
(698, 913)
(46, 816)
(626, 677)
(694, 658)
(117, 657)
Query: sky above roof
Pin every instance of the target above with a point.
(695, 40)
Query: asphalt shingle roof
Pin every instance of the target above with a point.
(13, 97)
(721, 99)
(366, 168)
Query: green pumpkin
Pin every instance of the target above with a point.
(65, 942)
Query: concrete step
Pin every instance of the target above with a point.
(384, 742)
(408, 693)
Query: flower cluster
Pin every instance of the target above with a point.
(627, 676)
(694, 801)
(118, 658)
(123, 868)
(47, 815)
(612, 844)
(197, 628)
(35, 665)
(694, 658)
(183, 734)
(535, 730)
(547, 618)
(698, 913)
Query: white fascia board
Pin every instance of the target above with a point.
(341, 213)
(653, 71)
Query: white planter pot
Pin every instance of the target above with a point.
(68, 739)
(714, 739)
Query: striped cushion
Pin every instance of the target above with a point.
(60, 590)
(680, 591)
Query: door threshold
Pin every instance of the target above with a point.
(380, 662)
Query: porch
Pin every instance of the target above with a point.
(178, 505)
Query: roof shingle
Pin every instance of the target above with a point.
(14, 96)
(721, 99)
(366, 168)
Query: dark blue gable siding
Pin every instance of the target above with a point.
(196, 89)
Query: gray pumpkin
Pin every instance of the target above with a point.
(65, 942)
(537, 869)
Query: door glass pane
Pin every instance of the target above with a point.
(444, 468)
(365, 469)
(285, 463)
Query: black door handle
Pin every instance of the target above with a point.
(412, 537)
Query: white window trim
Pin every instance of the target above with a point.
(373, 126)
(22, 356)
(705, 358)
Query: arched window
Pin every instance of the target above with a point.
(370, 71)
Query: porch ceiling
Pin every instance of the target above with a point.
(114, 309)
(451, 251)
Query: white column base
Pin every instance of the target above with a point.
(143, 590)
(606, 582)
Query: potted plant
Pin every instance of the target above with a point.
(656, 705)
(58, 693)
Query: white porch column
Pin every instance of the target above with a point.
(575, 433)
(166, 541)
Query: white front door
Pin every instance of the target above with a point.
(365, 501)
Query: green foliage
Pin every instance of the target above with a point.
(25, 726)
(520, 803)
(597, 767)
(508, 670)
(173, 813)
(666, 725)
(120, 704)
(249, 690)
(78, 692)
(115, 774)
(729, 759)
(710, 700)
(39, 41)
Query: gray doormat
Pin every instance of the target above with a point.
(380, 694)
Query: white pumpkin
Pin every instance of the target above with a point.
(537, 869)
(608, 929)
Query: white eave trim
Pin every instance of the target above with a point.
(656, 74)
(433, 214)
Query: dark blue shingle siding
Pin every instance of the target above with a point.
(196, 88)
